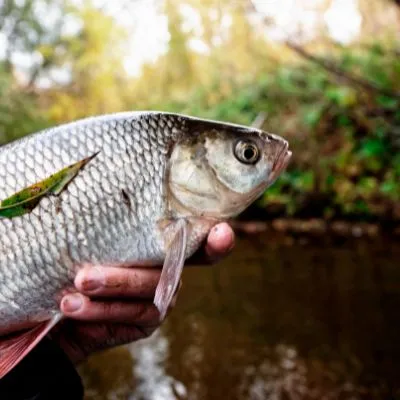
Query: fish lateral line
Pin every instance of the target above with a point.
(26, 200)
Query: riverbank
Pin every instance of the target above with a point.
(317, 227)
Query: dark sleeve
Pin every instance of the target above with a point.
(46, 373)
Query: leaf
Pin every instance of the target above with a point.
(313, 115)
(330, 180)
(343, 120)
(372, 147)
(367, 186)
(360, 206)
(342, 96)
(388, 102)
(27, 199)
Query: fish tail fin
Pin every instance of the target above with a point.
(15, 348)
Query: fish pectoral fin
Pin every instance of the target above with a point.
(173, 265)
(16, 347)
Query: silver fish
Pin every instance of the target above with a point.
(140, 188)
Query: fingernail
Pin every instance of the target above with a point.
(94, 279)
(219, 231)
(72, 302)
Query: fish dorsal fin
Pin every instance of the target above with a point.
(27, 199)
(173, 265)
(15, 348)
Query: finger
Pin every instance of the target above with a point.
(117, 334)
(80, 307)
(79, 339)
(219, 243)
(114, 282)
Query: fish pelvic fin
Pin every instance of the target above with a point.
(16, 347)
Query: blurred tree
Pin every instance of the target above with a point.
(93, 58)
(379, 18)
(216, 40)
(19, 114)
(177, 60)
(24, 29)
(173, 74)
(337, 104)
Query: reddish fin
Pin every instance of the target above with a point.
(15, 348)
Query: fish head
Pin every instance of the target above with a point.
(217, 170)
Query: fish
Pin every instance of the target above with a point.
(132, 188)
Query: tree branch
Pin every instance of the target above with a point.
(347, 76)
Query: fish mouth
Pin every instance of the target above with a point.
(281, 162)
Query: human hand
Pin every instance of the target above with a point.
(114, 306)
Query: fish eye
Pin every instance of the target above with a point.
(247, 151)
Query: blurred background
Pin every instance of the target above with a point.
(307, 306)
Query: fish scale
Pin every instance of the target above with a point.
(86, 219)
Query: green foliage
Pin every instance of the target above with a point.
(19, 114)
(345, 138)
(339, 108)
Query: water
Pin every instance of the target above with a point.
(279, 319)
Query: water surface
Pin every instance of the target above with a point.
(279, 319)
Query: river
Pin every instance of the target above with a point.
(281, 318)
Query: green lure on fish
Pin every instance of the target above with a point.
(27, 199)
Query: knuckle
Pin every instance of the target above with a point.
(140, 311)
(114, 280)
(110, 309)
(134, 281)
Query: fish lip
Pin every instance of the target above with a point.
(280, 155)
(281, 162)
